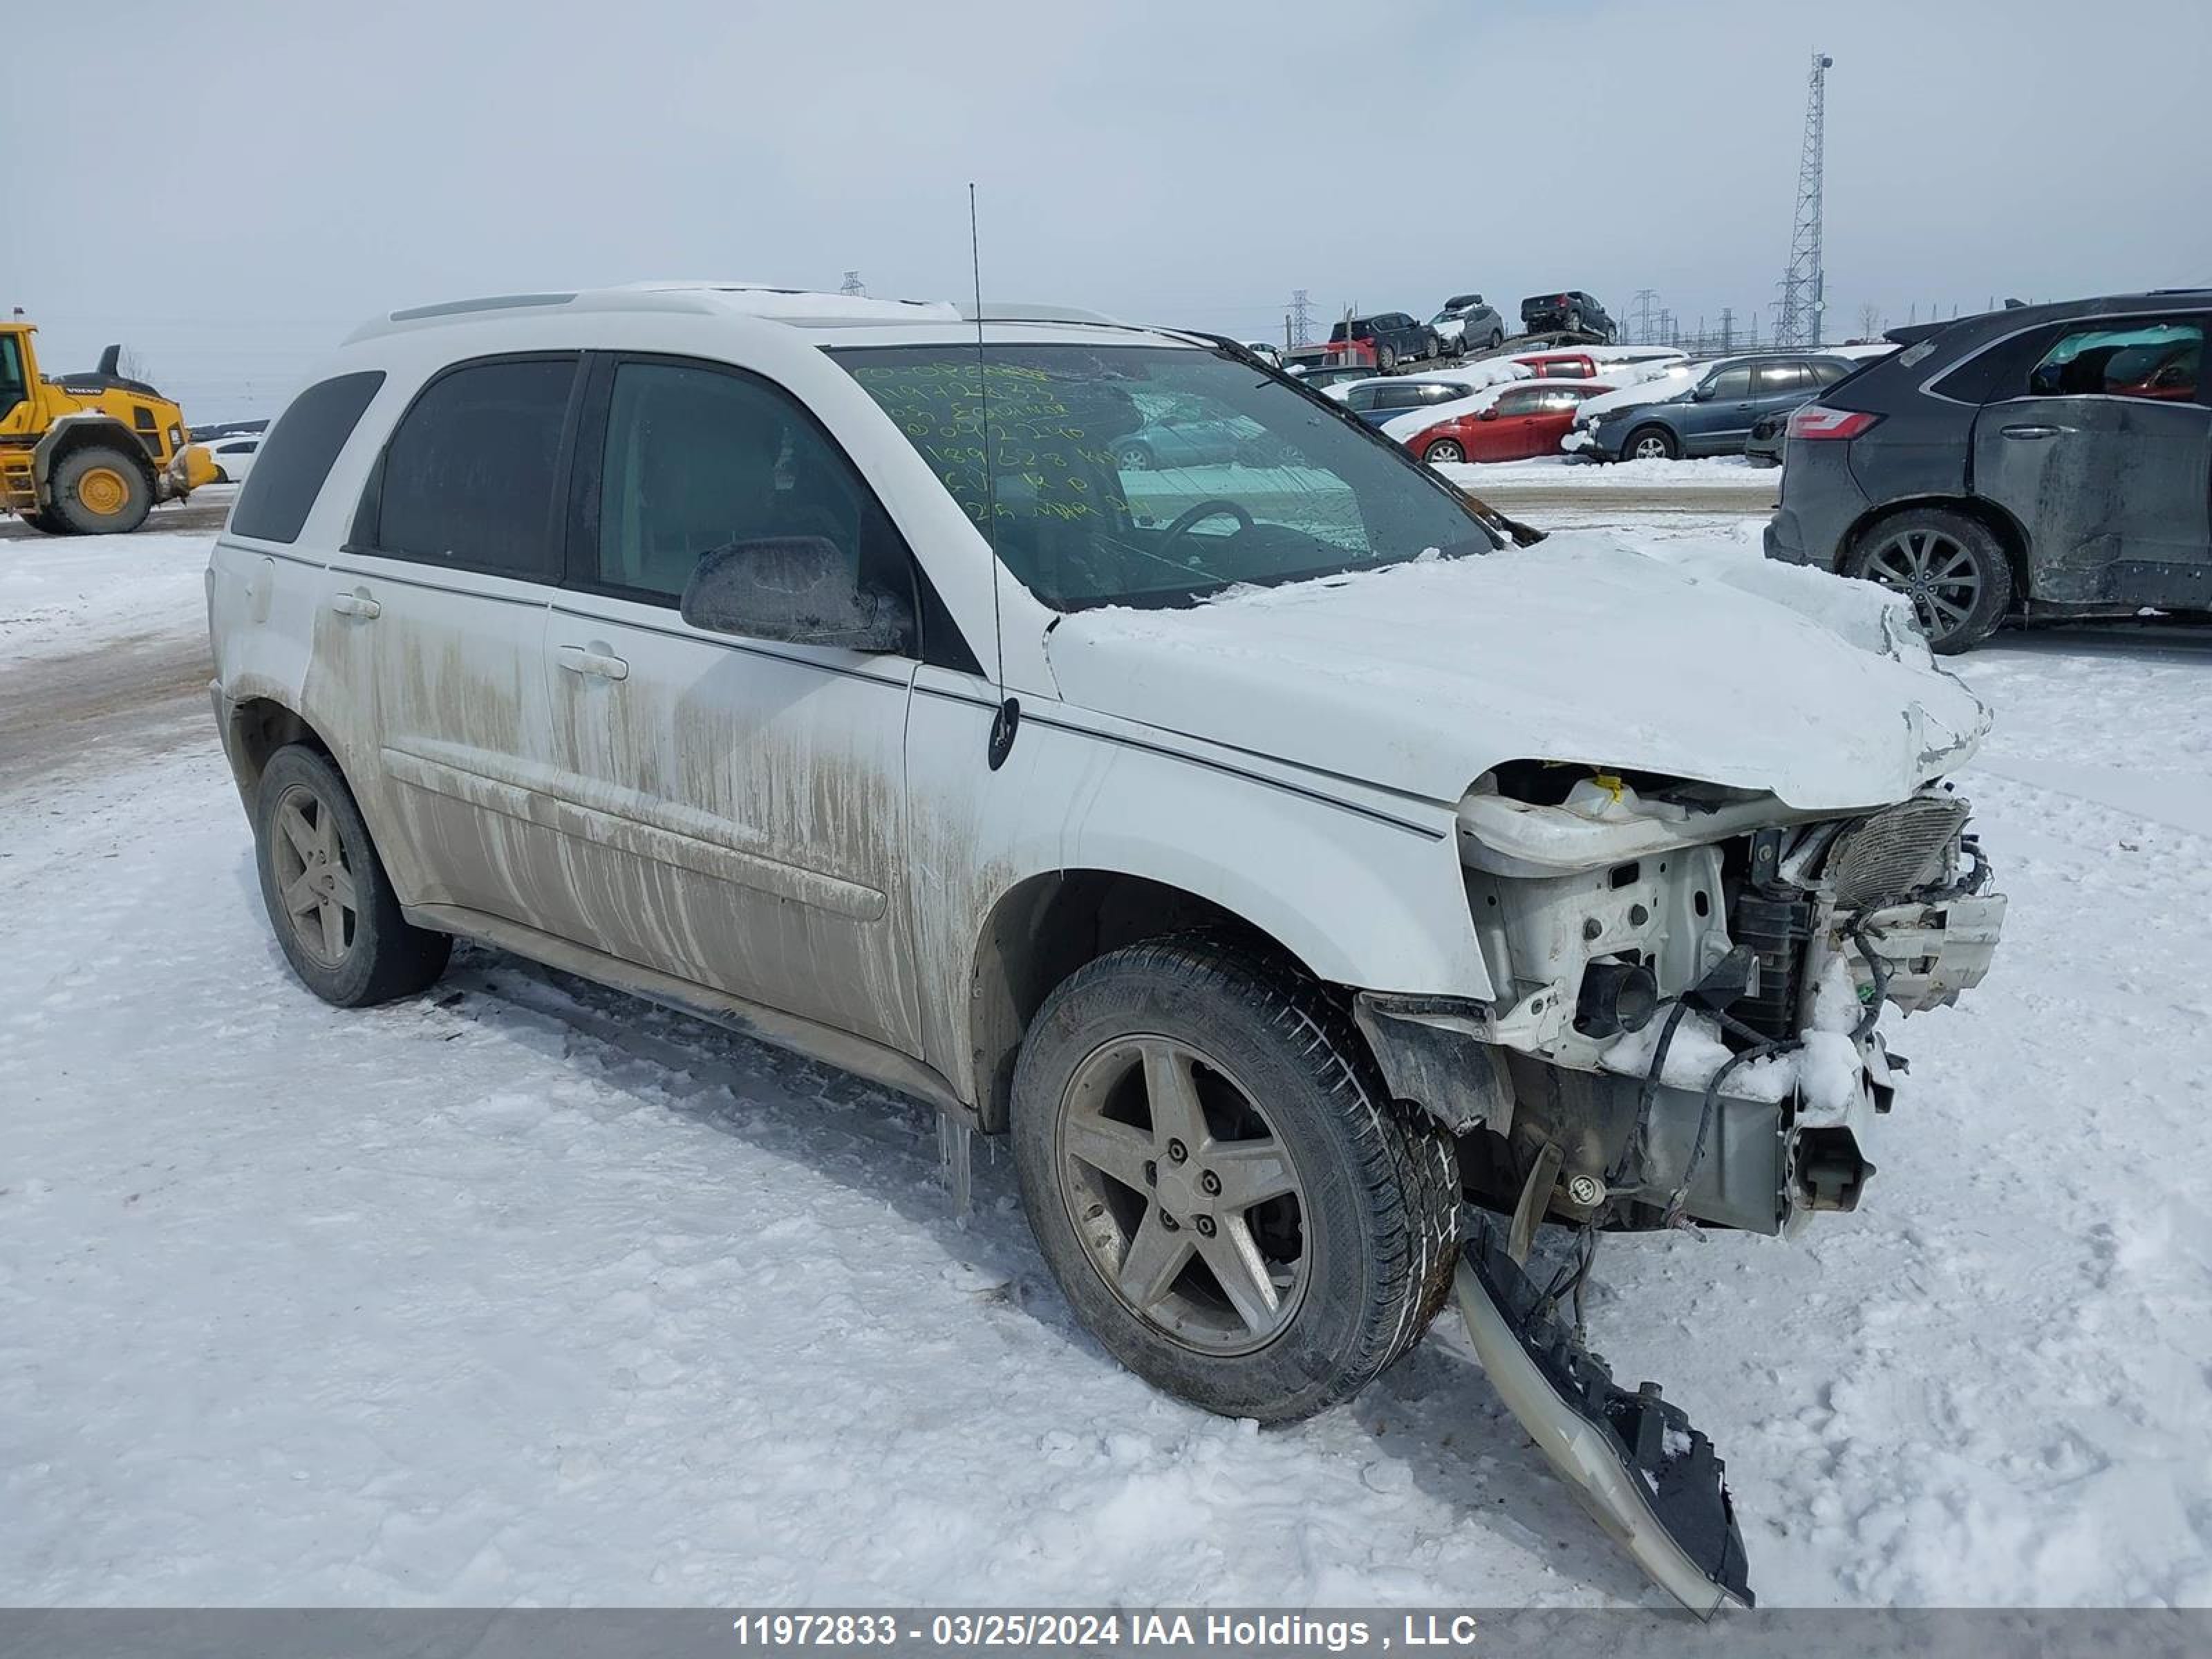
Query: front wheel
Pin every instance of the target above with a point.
(1650, 443)
(1950, 566)
(1134, 458)
(1220, 1183)
(99, 491)
(337, 918)
(1445, 452)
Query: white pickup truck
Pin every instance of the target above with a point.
(1290, 862)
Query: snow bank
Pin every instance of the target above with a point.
(68, 593)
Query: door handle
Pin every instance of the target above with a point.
(2030, 431)
(355, 603)
(577, 660)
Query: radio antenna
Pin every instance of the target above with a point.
(1009, 717)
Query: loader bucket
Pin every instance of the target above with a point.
(1632, 1460)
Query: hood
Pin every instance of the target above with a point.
(1422, 677)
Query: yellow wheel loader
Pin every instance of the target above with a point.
(88, 454)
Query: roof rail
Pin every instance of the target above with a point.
(1014, 311)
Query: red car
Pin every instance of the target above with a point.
(1560, 365)
(1527, 419)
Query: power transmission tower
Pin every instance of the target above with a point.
(1300, 317)
(852, 283)
(1798, 317)
(1639, 318)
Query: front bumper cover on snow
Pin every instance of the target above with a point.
(1632, 1460)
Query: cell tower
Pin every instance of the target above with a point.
(852, 283)
(1300, 317)
(1803, 299)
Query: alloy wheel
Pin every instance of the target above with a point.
(1444, 452)
(1650, 447)
(1933, 570)
(1184, 1198)
(313, 877)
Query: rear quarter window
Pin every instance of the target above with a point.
(289, 471)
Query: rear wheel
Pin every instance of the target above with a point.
(1220, 1183)
(1650, 443)
(1443, 452)
(1951, 567)
(100, 491)
(1386, 359)
(337, 918)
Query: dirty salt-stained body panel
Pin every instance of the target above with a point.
(738, 813)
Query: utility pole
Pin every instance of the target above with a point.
(1727, 329)
(1803, 297)
(852, 283)
(1300, 317)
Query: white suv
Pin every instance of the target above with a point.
(1275, 851)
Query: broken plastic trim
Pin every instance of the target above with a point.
(1648, 1478)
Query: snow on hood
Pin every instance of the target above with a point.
(1672, 380)
(1422, 677)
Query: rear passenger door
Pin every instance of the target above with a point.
(446, 580)
(738, 806)
(2104, 455)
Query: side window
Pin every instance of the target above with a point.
(1733, 382)
(697, 457)
(1563, 399)
(468, 476)
(1522, 400)
(1828, 374)
(283, 484)
(2160, 361)
(1777, 377)
(13, 387)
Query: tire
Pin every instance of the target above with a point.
(1574, 322)
(1135, 458)
(1386, 359)
(221, 476)
(1360, 1247)
(1650, 443)
(1952, 566)
(1445, 452)
(305, 821)
(1497, 340)
(100, 491)
(48, 523)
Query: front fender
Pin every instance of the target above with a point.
(1365, 889)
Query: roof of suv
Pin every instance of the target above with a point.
(2050, 310)
(823, 316)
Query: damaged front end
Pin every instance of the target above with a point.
(1690, 979)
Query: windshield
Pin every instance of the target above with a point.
(1157, 474)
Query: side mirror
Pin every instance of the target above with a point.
(1703, 394)
(796, 589)
(1489, 414)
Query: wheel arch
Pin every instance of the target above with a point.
(258, 724)
(92, 429)
(2012, 535)
(1046, 926)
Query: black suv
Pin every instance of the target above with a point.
(1574, 312)
(2044, 462)
(1393, 337)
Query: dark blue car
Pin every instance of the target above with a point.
(1714, 415)
(1379, 400)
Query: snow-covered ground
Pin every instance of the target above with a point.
(61, 595)
(529, 1292)
(1566, 472)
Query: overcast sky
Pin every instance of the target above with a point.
(230, 186)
